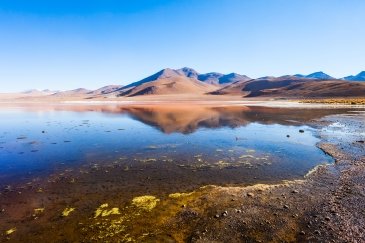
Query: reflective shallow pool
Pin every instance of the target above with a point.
(191, 146)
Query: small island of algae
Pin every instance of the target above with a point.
(145, 202)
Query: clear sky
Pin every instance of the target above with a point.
(66, 44)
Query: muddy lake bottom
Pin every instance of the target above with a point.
(117, 172)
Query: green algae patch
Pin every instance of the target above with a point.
(10, 231)
(66, 212)
(104, 211)
(145, 202)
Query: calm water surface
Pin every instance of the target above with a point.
(183, 145)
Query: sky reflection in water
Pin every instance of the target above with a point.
(204, 145)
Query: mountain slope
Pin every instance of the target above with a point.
(358, 77)
(319, 75)
(106, 90)
(74, 92)
(222, 79)
(167, 86)
(292, 86)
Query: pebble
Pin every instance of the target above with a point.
(302, 233)
(250, 194)
(286, 206)
(295, 191)
(225, 213)
(301, 131)
(216, 216)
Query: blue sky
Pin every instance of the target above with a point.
(70, 44)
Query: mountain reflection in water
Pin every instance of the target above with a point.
(199, 143)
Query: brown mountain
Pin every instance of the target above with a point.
(293, 86)
(164, 82)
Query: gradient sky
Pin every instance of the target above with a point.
(69, 44)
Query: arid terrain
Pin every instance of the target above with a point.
(187, 84)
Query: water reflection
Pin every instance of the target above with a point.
(187, 119)
(199, 144)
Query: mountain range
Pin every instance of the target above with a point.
(188, 81)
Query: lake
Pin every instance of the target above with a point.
(66, 166)
(193, 145)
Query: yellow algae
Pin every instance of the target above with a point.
(66, 212)
(10, 231)
(103, 211)
(146, 202)
(231, 150)
(38, 210)
(219, 150)
(250, 151)
(198, 155)
(178, 194)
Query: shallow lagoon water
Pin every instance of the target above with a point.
(202, 145)
(126, 173)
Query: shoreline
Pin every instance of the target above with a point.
(217, 103)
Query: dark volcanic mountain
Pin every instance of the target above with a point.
(359, 77)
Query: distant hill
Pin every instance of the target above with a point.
(36, 92)
(222, 79)
(294, 87)
(319, 75)
(188, 81)
(74, 92)
(359, 77)
(105, 90)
